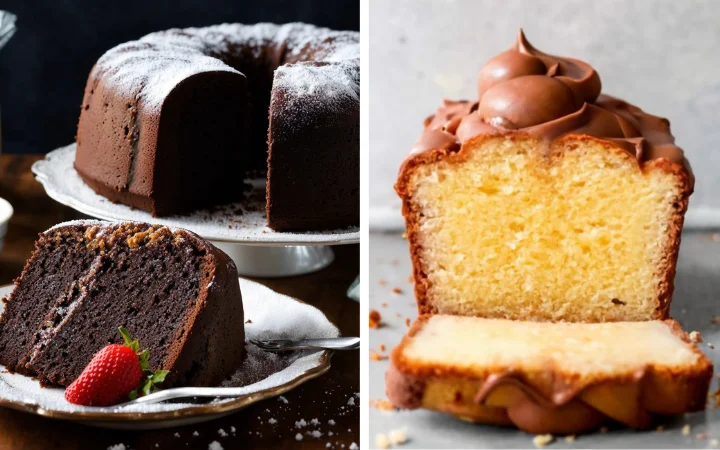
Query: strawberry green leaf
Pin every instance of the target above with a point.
(126, 336)
(144, 358)
(147, 387)
(159, 376)
(133, 394)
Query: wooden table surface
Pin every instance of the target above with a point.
(325, 398)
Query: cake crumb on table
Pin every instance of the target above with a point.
(660, 428)
(715, 320)
(408, 321)
(382, 441)
(570, 438)
(382, 347)
(376, 356)
(701, 436)
(382, 282)
(541, 440)
(375, 318)
(382, 404)
(397, 291)
(686, 430)
(695, 336)
(398, 437)
(603, 429)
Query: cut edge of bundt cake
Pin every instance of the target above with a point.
(511, 226)
(561, 378)
(175, 292)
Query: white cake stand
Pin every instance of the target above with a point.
(239, 229)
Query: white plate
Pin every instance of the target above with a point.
(272, 316)
(62, 183)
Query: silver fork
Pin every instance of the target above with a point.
(285, 345)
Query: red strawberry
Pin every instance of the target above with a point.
(115, 374)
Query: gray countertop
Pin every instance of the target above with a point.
(696, 300)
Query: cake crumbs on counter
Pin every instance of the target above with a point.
(376, 356)
(375, 318)
(660, 428)
(408, 321)
(382, 404)
(384, 304)
(686, 430)
(398, 437)
(695, 336)
(382, 347)
(382, 282)
(570, 438)
(397, 291)
(715, 320)
(701, 436)
(382, 441)
(541, 440)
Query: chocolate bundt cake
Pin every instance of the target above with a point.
(174, 291)
(560, 378)
(174, 121)
(544, 199)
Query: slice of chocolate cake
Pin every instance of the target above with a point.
(174, 291)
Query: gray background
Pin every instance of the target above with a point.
(663, 55)
(695, 302)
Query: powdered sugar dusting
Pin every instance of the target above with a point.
(150, 68)
(273, 315)
(62, 183)
(332, 85)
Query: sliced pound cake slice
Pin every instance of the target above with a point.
(548, 377)
(174, 291)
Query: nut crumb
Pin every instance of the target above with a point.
(375, 318)
(376, 356)
(382, 347)
(570, 438)
(382, 282)
(397, 291)
(695, 336)
(408, 322)
(686, 430)
(541, 440)
(617, 301)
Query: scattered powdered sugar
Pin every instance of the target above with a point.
(272, 421)
(354, 446)
(298, 437)
(150, 68)
(315, 433)
(215, 445)
(331, 422)
(314, 422)
(273, 316)
(300, 423)
(222, 433)
(62, 183)
(117, 447)
(283, 399)
(351, 401)
(330, 86)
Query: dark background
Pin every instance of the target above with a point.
(43, 68)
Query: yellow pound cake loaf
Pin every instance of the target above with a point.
(544, 200)
(542, 377)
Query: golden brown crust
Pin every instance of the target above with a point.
(452, 154)
(554, 402)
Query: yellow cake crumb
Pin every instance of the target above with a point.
(398, 437)
(686, 430)
(382, 441)
(541, 440)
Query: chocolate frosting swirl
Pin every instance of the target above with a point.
(547, 96)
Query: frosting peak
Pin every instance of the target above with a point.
(547, 96)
